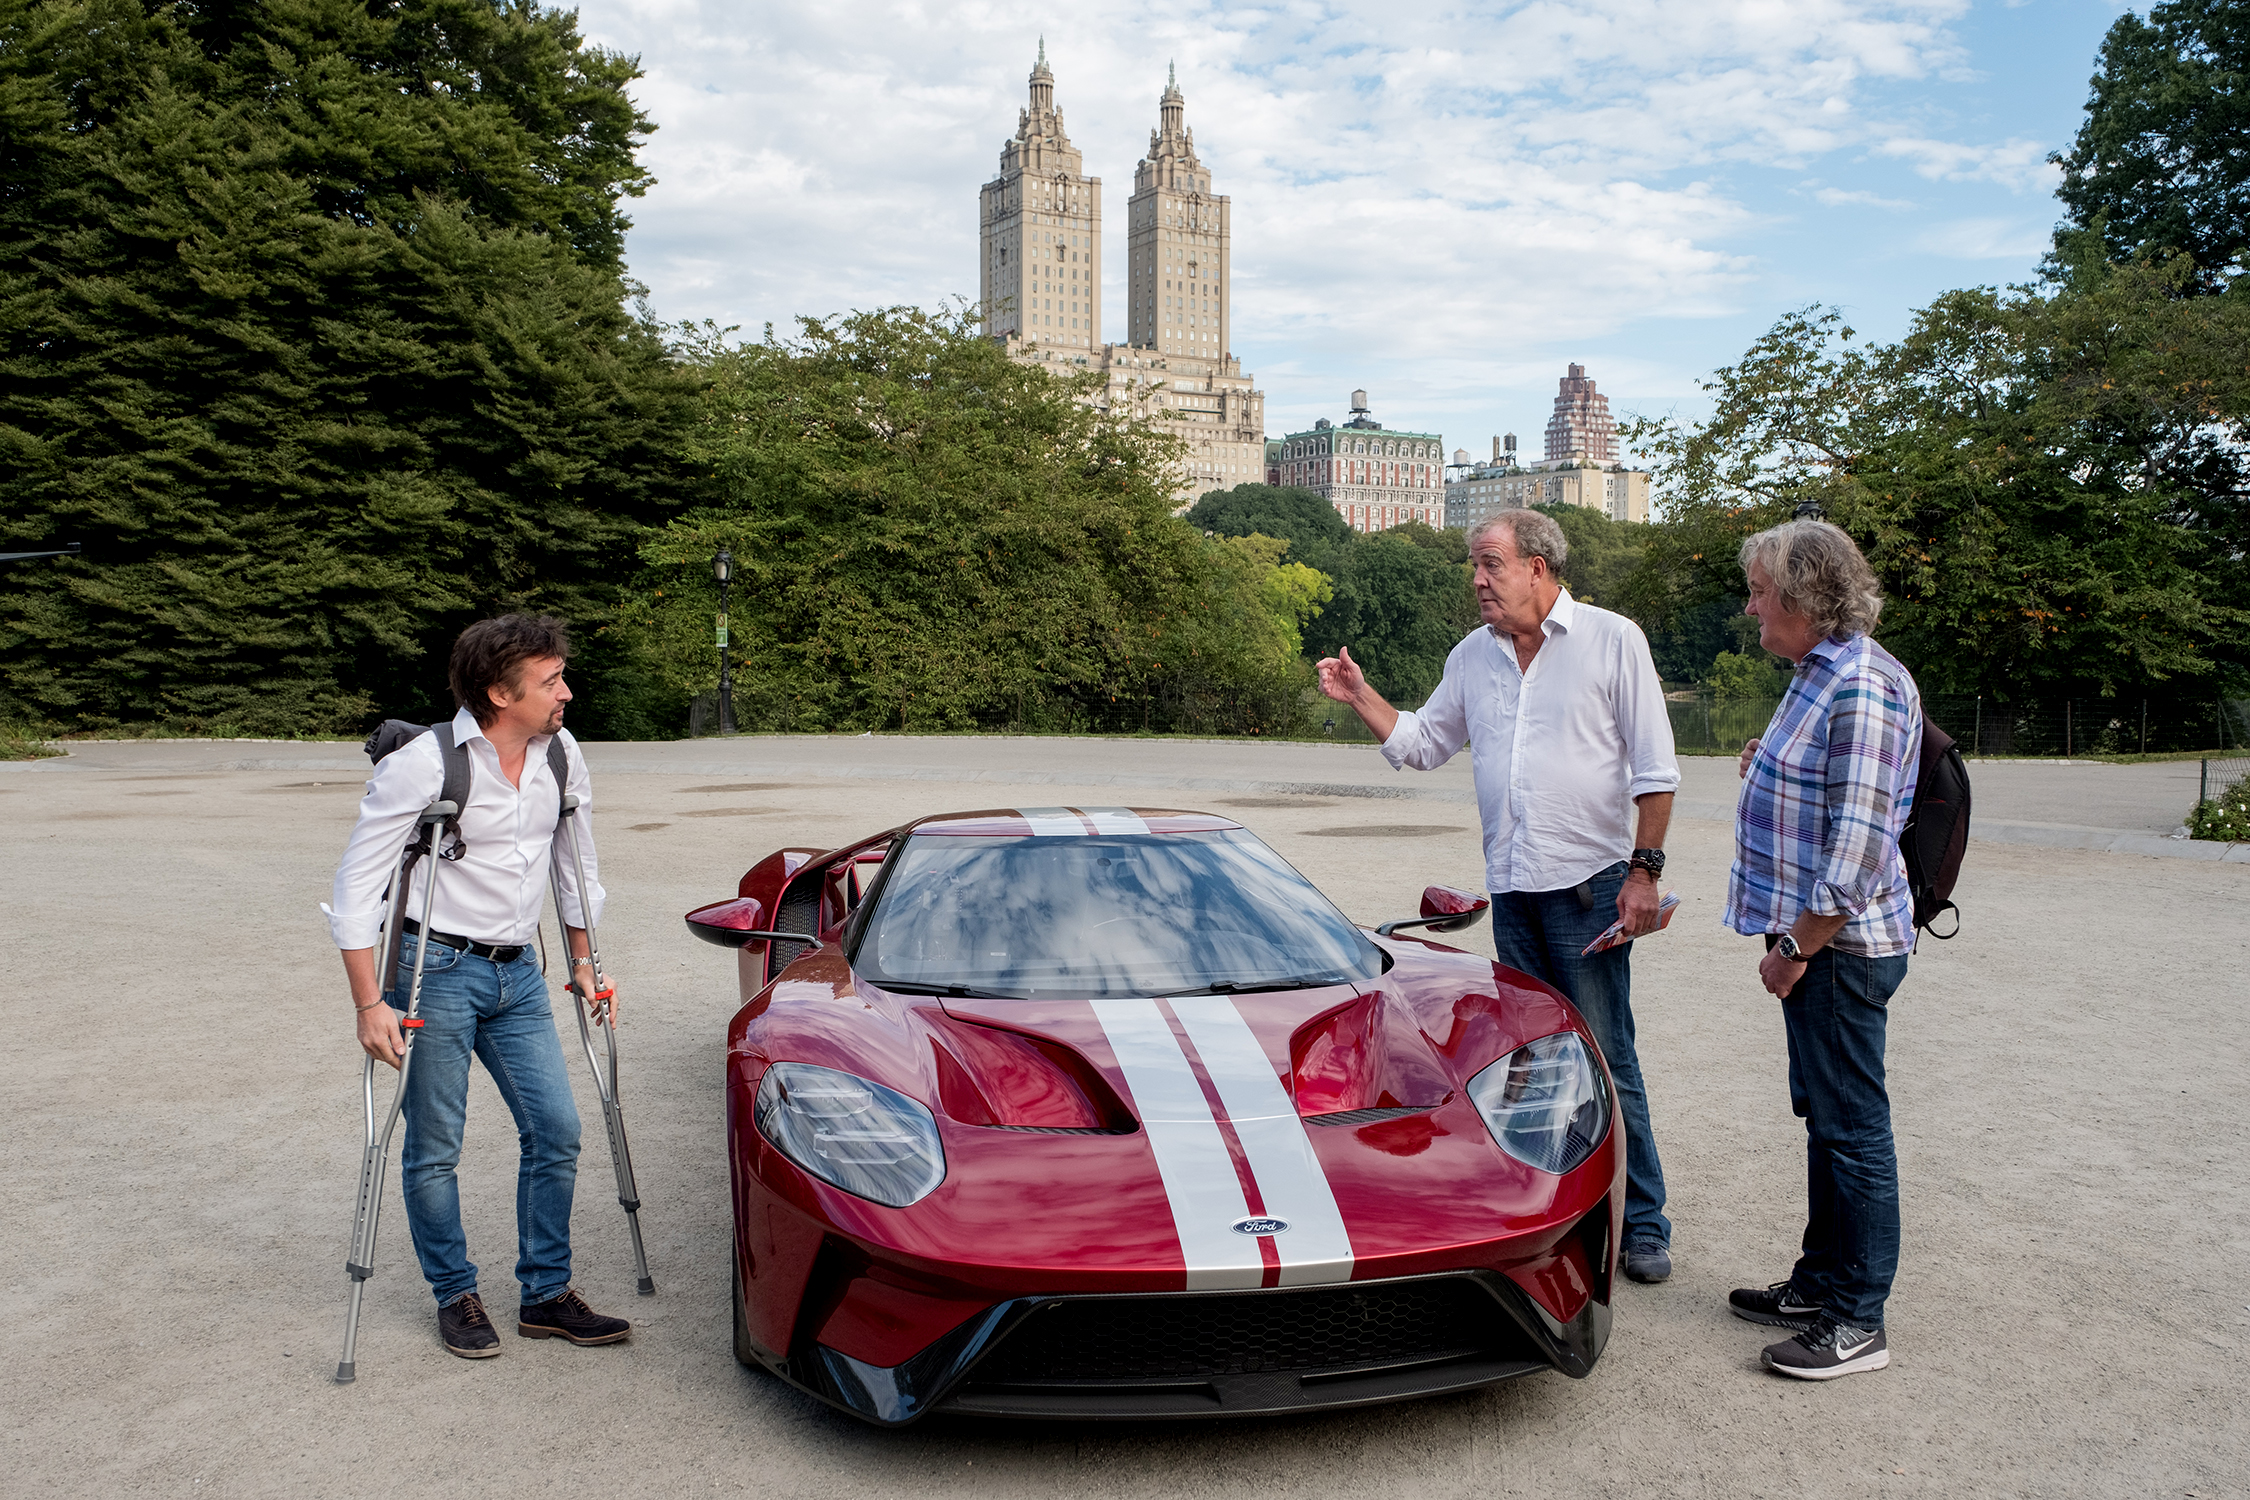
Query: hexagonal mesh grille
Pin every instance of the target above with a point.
(1316, 1328)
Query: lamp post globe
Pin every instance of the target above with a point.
(722, 569)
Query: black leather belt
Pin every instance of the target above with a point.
(497, 953)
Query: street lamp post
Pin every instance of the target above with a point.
(722, 568)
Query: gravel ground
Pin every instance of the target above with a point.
(182, 1096)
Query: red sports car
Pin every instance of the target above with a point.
(1108, 1112)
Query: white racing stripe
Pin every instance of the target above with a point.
(1191, 1155)
(1053, 822)
(1317, 1247)
(1114, 820)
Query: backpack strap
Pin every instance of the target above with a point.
(454, 788)
(558, 761)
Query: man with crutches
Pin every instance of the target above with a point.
(481, 990)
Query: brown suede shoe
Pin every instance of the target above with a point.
(465, 1328)
(568, 1317)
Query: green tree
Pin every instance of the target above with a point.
(930, 535)
(2160, 162)
(1604, 552)
(1402, 608)
(1749, 675)
(313, 330)
(1309, 524)
(2019, 469)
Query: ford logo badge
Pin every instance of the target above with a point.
(1258, 1224)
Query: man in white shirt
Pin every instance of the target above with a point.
(483, 993)
(1564, 713)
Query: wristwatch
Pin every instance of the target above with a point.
(1786, 946)
(1651, 860)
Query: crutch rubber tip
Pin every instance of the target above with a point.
(648, 1287)
(346, 1374)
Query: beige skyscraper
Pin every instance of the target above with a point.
(1178, 243)
(1042, 232)
(1041, 280)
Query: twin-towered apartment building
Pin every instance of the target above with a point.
(1041, 290)
(1041, 281)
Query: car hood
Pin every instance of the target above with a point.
(1205, 1142)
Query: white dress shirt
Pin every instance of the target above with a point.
(494, 892)
(1559, 752)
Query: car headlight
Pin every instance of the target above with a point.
(868, 1140)
(1546, 1103)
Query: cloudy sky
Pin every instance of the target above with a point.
(1443, 204)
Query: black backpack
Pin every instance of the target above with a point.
(1936, 835)
(392, 733)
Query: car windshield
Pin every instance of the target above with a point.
(1095, 916)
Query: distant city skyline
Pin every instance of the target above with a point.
(1444, 208)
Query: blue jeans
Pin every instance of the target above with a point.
(501, 1014)
(1835, 1018)
(1541, 933)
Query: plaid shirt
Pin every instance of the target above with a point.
(1827, 794)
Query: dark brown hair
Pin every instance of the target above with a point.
(491, 653)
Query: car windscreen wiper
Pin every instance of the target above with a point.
(1233, 987)
(948, 991)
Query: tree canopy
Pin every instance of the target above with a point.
(1310, 525)
(2050, 485)
(2162, 159)
(314, 332)
(931, 535)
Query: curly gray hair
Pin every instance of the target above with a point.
(1820, 574)
(1534, 533)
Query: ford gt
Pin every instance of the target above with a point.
(1105, 1112)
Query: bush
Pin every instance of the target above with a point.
(2225, 818)
(1745, 676)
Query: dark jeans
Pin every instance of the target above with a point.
(1541, 933)
(500, 1014)
(1835, 1019)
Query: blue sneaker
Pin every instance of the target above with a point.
(1648, 1261)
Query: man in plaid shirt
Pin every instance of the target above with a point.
(1817, 873)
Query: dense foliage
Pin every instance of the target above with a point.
(930, 535)
(2162, 160)
(2050, 485)
(313, 330)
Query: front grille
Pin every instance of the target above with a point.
(1200, 1337)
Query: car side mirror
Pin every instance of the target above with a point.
(730, 924)
(1444, 909)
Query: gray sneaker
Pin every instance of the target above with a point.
(1648, 1260)
(1779, 1306)
(1828, 1349)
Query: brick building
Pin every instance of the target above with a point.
(1375, 478)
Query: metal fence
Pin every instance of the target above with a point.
(2220, 773)
(2049, 728)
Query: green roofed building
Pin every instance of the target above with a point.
(1375, 477)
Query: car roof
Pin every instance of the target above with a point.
(1068, 822)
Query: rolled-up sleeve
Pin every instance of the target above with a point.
(403, 784)
(1427, 738)
(1867, 725)
(573, 905)
(1644, 718)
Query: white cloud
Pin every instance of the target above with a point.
(1988, 239)
(1833, 197)
(1423, 197)
(2018, 164)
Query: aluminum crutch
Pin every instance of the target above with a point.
(376, 1157)
(605, 1080)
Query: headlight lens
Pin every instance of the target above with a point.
(866, 1139)
(1546, 1103)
